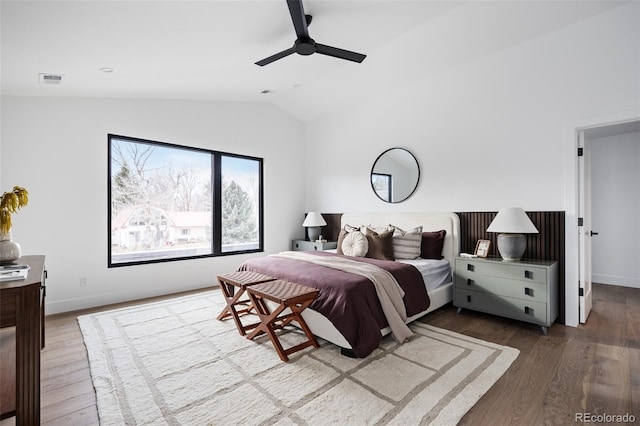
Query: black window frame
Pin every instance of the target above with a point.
(216, 187)
(389, 181)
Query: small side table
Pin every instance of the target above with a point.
(304, 245)
(242, 280)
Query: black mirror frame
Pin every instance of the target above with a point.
(417, 178)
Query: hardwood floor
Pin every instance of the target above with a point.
(594, 368)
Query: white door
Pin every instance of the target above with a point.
(584, 169)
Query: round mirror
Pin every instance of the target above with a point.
(395, 175)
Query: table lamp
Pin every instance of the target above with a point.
(512, 223)
(313, 222)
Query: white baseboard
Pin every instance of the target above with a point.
(79, 303)
(616, 280)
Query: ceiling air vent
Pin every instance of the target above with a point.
(50, 78)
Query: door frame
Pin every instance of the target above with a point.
(571, 179)
(585, 251)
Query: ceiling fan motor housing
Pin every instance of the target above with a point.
(305, 46)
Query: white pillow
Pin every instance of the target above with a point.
(407, 244)
(378, 229)
(355, 244)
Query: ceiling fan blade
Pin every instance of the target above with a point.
(339, 53)
(305, 45)
(275, 57)
(299, 20)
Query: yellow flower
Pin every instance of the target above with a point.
(11, 202)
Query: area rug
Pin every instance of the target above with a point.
(173, 363)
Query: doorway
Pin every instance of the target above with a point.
(609, 199)
(615, 195)
(573, 231)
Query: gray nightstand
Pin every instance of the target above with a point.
(523, 290)
(303, 245)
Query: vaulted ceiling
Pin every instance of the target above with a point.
(206, 50)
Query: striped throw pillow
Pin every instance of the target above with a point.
(407, 244)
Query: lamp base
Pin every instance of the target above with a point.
(314, 232)
(511, 246)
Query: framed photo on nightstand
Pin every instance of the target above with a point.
(482, 248)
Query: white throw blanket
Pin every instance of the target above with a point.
(389, 291)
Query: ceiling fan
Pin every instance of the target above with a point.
(305, 45)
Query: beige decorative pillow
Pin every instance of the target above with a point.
(379, 229)
(407, 244)
(350, 228)
(355, 244)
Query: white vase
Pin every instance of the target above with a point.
(9, 250)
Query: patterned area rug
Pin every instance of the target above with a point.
(173, 363)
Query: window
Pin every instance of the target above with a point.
(382, 185)
(170, 202)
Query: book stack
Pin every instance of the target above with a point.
(14, 272)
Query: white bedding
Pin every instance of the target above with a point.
(434, 272)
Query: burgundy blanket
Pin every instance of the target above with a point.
(348, 300)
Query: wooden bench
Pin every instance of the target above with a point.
(242, 280)
(286, 294)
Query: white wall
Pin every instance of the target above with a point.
(615, 196)
(57, 149)
(487, 134)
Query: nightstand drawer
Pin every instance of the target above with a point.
(517, 289)
(470, 269)
(302, 245)
(519, 309)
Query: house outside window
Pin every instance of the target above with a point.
(170, 202)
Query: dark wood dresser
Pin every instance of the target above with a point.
(21, 340)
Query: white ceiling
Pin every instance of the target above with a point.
(205, 50)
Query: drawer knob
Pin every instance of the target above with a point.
(470, 267)
(528, 291)
(468, 298)
(528, 310)
(470, 281)
(528, 274)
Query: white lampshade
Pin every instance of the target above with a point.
(512, 220)
(313, 222)
(314, 219)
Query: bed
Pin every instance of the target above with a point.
(439, 292)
